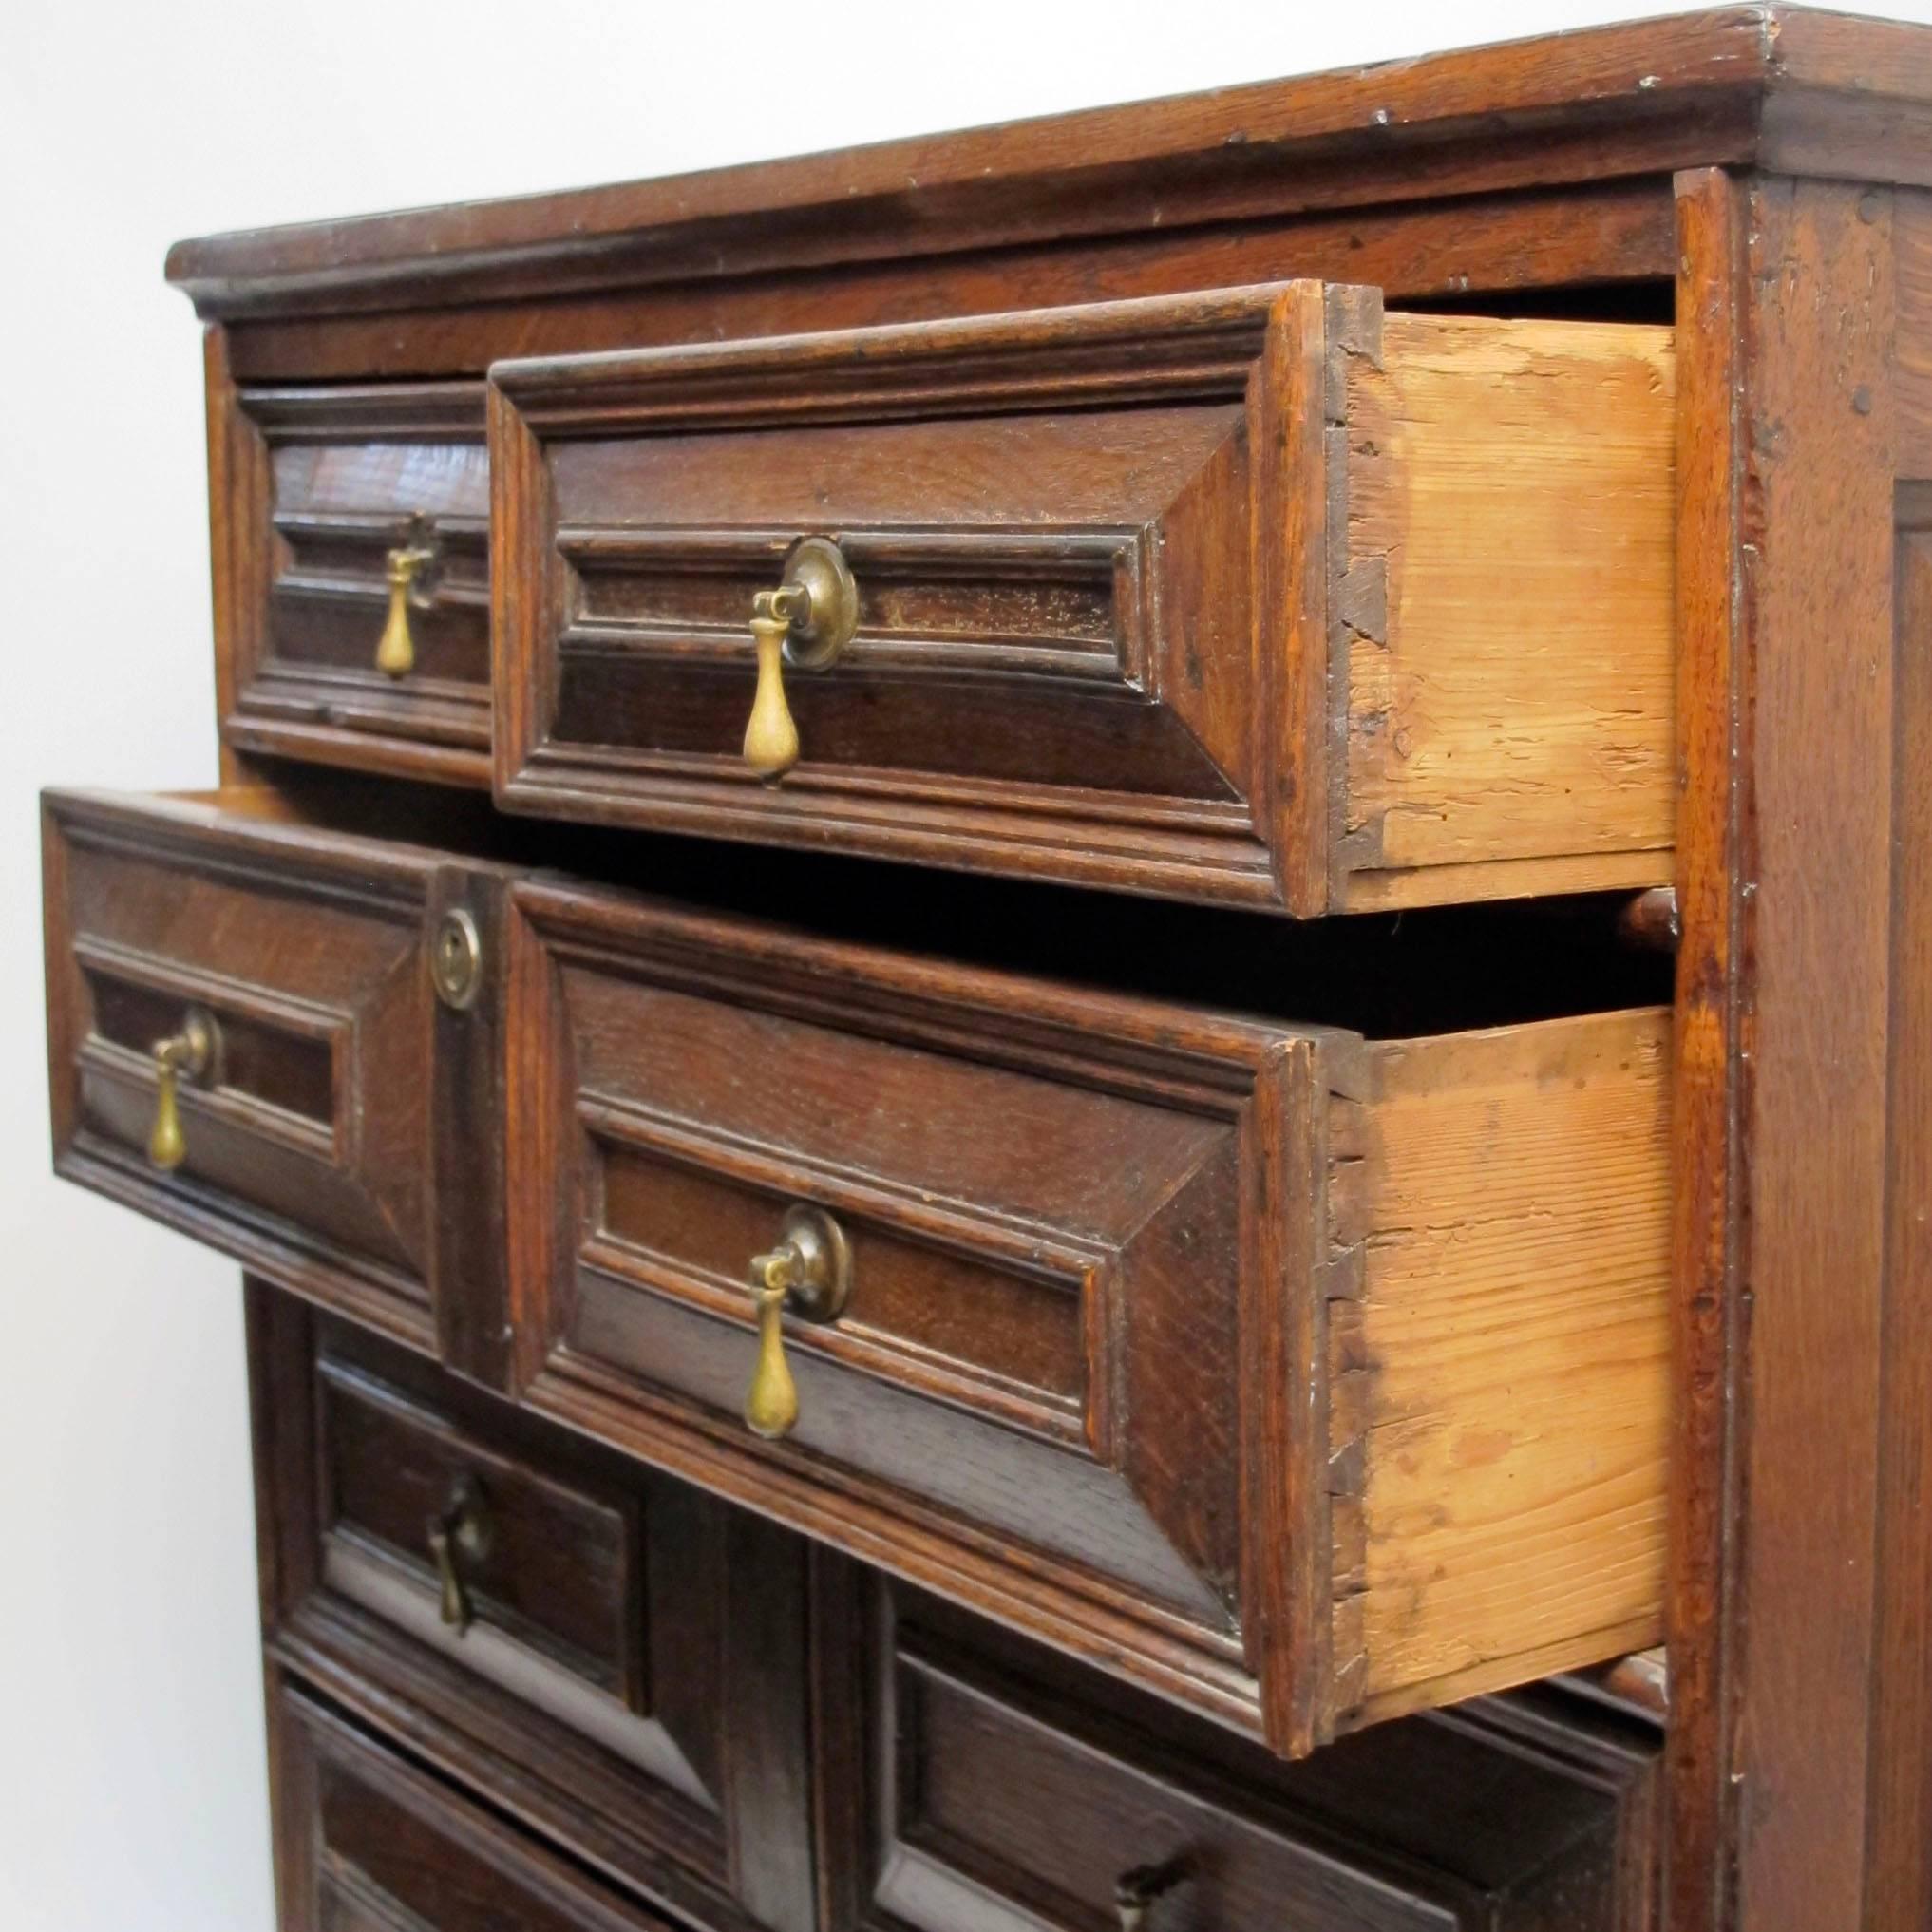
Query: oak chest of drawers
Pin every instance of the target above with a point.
(1059, 1020)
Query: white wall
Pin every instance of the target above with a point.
(131, 1779)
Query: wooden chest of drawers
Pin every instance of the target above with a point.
(932, 991)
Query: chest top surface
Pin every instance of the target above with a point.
(1789, 89)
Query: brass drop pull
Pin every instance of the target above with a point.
(1135, 1892)
(810, 1274)
(412, 574)
(462, 1534)
(192, 1051)
(806, 622)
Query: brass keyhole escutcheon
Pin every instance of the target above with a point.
(411, 570)
(804, 623)
(808, 1274)
(456, 959)
(461, 1536)
(193, 1054)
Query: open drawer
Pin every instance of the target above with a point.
(1303, 1378)
(263, 1034)
(1257, 597)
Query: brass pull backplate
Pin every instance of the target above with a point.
(809, 1274)
(804, 623)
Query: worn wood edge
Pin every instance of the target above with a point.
(434, 409)
(1692, 87)
(554, 1783)
(1285, 1406)
(1294, 536)
(237, 489)
(376, 1302)
(1700, 1801)
(1212, 1058)
(1054, 1603)
(248, 822)
(1358, 586)
(382, 753)
(1599, 230)
(1136, 350)
(460, 1817)
(1503, 1674)
(1147, 862)
(1493, 879)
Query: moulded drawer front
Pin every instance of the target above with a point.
(326, 487)
(1118, 1273)
(370, 1842)
(1253, 596)
(609, 1654)
(296, 961)
(473, 1549)
(591, 1594)
(997, 1788)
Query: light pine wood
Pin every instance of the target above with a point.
(1506, 1366)
(1507, 617)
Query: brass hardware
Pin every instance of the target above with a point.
(810, 1272)
(806, 622)
(456, 959)
(463, 1533)
(411, 572)
(192, 1051)
(1135, 1892)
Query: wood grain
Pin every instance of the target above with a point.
(1712, 1062)
(1510, 249)
(1821, 471)
(1510, 493)
(982, 1784)
(1788, 982)
(1912, 255)
(623, 1689)
(371, 1842)
(316, 484)
(1642, 98)
(1511, 1351)
(1899, 1881)
(1238, 597)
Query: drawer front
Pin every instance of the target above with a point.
(1250, 598)
(517, 1573)
(325, 487)
(1107, 1364)
(246, 1042)
(367, 1842)
(982, 1783)
(609, 1654)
